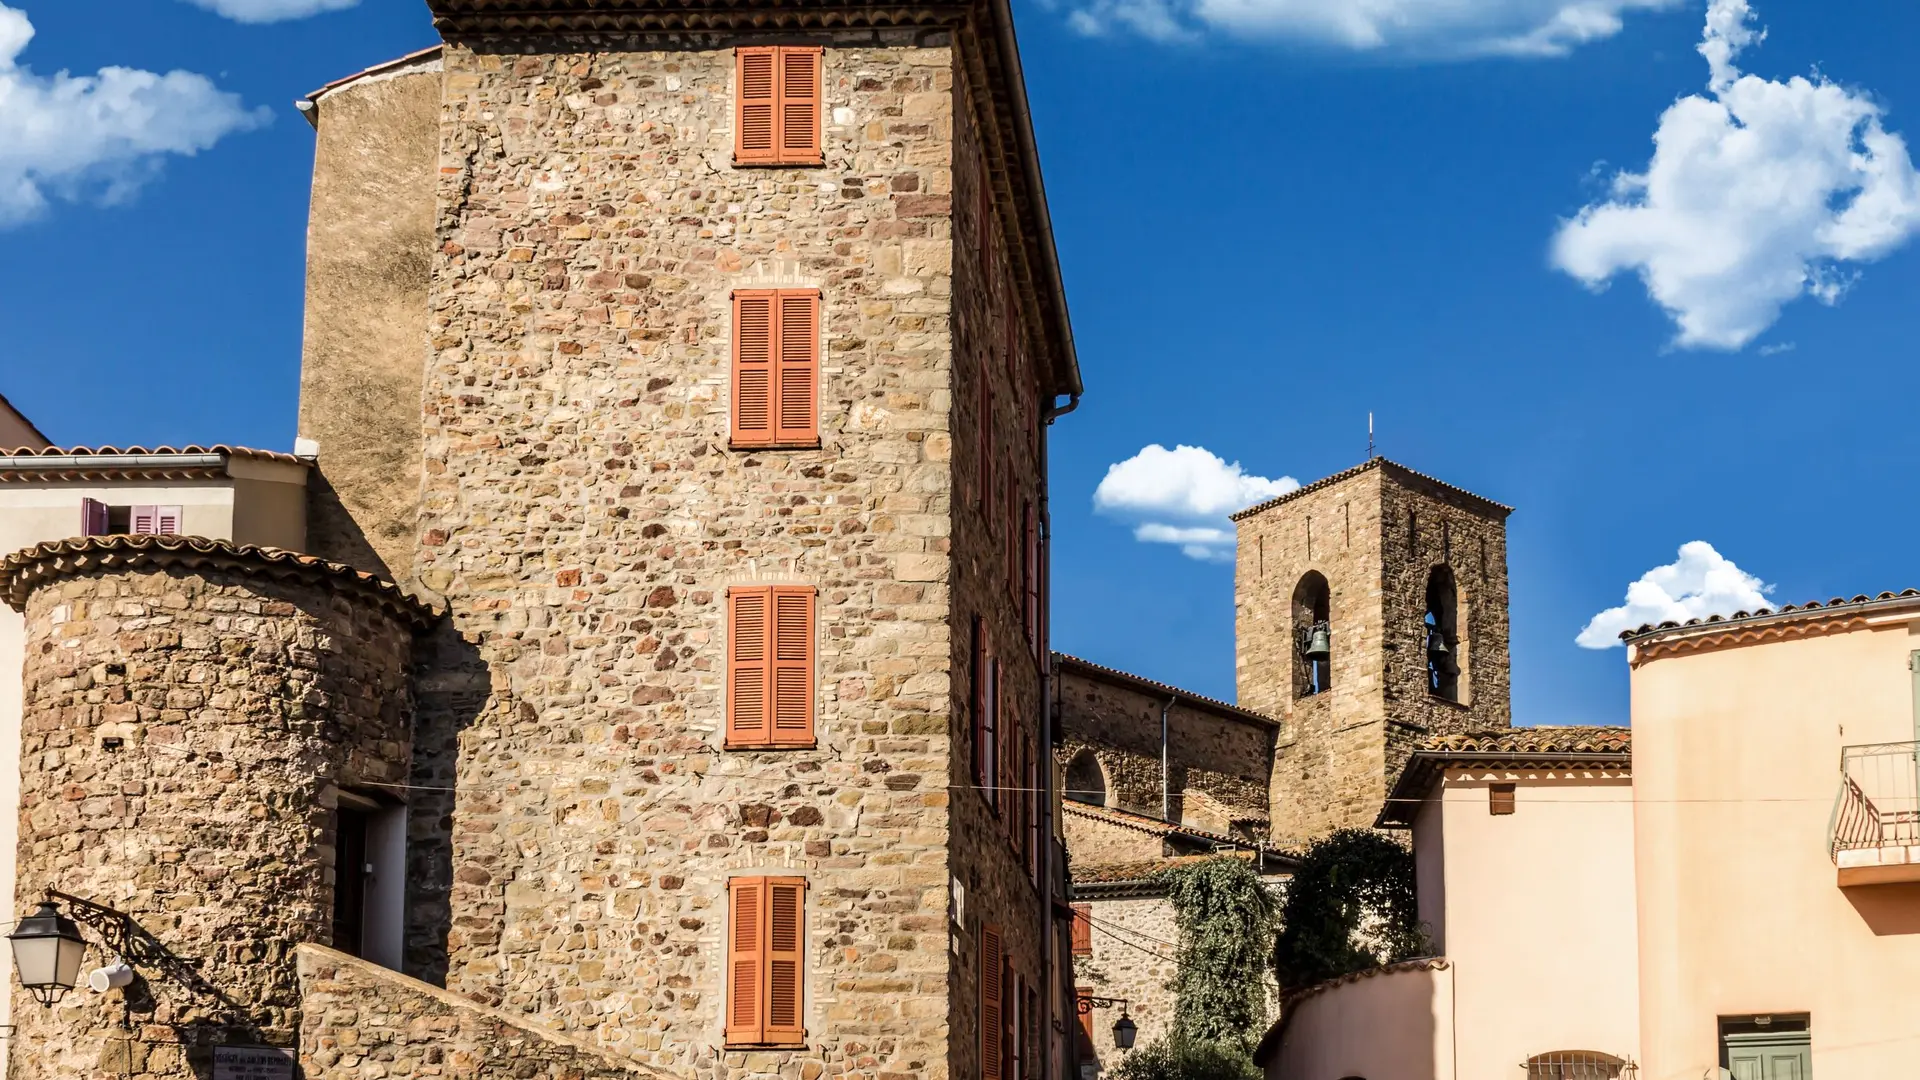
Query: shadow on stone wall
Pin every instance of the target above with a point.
(452, 687)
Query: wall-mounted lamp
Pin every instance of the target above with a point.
(47, 950)
(1124, 1029)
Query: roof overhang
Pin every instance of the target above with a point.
(163, 464)
(1424, 768)
(1744, 628)
(987, 25)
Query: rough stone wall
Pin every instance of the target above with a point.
(1341, 748)
(1092, 842)
(1225, 761)
(1328, 765)
(369, 246)
(987, 571)
(359, 1020)
(1133, 949)
(583, 515)
(182, 730)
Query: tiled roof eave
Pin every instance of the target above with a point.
(1750, 624)
(1141, 682)
(24, 571)
(1499, 509)
(1425, 766)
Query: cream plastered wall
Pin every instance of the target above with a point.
(267, 499)
(1536, 915)
(1736, 761)
(1392, 1025)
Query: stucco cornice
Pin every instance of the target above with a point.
(25, 571)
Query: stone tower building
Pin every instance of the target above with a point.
(1408, 575)
(681, 371)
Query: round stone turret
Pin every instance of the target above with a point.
(197, 716)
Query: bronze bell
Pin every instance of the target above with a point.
(1319, 643)
(1436, 642)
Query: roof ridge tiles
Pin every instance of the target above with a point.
(1371, 463)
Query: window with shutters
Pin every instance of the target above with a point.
(986, 718)
(1030, 574)
(148, 520)
(985, 450)
(777, 105)
(1083, 929)
(766, 961)
(770, 666)
(1010, 537)
(1500, 798)
(95, 518)
(992, 1022)
(776, 368)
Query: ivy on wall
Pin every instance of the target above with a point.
(1350, 906)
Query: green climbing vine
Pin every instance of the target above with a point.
(1349, 907)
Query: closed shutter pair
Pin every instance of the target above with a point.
(770, 666)
(777, 105)
(766, 961)
(776, 367)
(986, 715)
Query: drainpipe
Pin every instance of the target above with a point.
(1166, 770)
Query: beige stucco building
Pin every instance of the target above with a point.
(1523, 845)
(1776, 850)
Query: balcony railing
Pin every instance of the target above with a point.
(1875, 830)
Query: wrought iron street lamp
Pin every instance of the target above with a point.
(1124, 1029)
(47, 950)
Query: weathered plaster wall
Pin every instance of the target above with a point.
(237, 700)
(370, 241)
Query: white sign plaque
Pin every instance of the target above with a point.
(252, 1063)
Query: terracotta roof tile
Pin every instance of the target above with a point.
(157, 451)
(1524, 741)
(23, 571)
(1573, 746)
(1101, 671)
(377, 69)
(1811, 606)
(1374, 463)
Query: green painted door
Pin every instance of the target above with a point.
(1766, 1055)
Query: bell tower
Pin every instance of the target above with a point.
(1370, 613)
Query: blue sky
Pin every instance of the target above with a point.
(1271, 222)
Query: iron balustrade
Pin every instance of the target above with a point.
(1879, 801)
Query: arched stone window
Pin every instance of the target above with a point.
(1085, 781)
(1442, 628)
(1312, 636)
(1574, 1065)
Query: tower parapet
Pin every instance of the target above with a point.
(205, 726)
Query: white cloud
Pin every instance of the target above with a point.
(1701, 582)
(71, 136)
(1451, 29)
(266, 11)
(1183, 497)
(1757, 194)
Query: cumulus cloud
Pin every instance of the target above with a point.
(1453, 29)
(1759, 193)
(1701, 582)
(102, 135)
(266, 11)
(1183, 496)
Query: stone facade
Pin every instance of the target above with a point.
(193, 709)
(1375, 534)
(1219, 759)
(1134, 940)
(361, 1020)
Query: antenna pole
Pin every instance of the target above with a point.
(1370, 454)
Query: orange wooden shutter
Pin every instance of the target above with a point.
(990, 1024)
(1082, 929)
(1030, 573)
(786, 967)
(986, 447)
(1085, 1009)
(793, 664)
(748, 656)
(799, 105)
(992, 754)
(755, 102)
(796, 414)
(746, 960)
(753, 368)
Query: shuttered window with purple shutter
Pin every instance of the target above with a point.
(93, 518)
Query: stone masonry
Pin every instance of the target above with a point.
(1376, 533)
(193, 708)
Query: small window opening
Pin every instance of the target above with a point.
(1440, 626)
(1500, 798)
(1312, 636)
(1085, 782)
